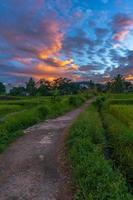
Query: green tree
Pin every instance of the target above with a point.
(109, 86)
(63, 85)
(2, 88)
(43, 89)
(18, 91)
(31, 87)
(118, 84)
(91, 84)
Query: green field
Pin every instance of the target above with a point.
(105, 128)
(19, 113)
(100, 143)
(118, 120)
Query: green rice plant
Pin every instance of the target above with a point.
(92, 174)
(76, 100)
(121, 101)
(123, 112)
(6, 109)
(121, 143)
(122, 96)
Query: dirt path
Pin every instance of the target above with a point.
(29, 167)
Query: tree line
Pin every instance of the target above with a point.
(60, 86)
(64, 86)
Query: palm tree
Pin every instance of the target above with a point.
(118, 84)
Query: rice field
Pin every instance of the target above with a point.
(101, 149)
(19, 113)
(118, 120)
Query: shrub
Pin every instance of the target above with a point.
(43, 111)
(99, 102)
(75, 101)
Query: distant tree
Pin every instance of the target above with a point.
(63, 85)
(118, 84)
(55, 94)
(91, 84)
(43, 89)
(31, 87)
(109, 86)
(99, 87)
(2, 88)
(18, 91)
(128, 86)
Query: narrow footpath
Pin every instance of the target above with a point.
(29, 168)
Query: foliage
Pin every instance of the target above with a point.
(93, 175)
(30, 87)
(117, 116)
(76, 100)
(99, 102)
(121, 142)
(6, 109)
(119, 85)
(2, 88)
(43, 89)
(20, 114)
(18, 91)
(123, 112)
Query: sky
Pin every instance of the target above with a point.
(77, 39)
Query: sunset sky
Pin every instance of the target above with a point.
(77, 39)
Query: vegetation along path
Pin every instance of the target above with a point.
(29, 168)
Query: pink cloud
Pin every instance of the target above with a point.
(120, 36)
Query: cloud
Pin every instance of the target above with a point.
(89, 67)
(77, 43)
(101, 32)
(52, 38)
(122, 24)
(121, 35)
(121, 21)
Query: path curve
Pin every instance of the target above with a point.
(29, 167)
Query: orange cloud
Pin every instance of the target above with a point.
(129, 78)
(55, 36)
(53, 68)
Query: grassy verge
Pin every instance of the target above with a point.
(13, 124)
(92, 174)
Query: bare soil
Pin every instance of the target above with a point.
(29, 168)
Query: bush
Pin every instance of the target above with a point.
(43, 111)
(75, 101)
(99, 102)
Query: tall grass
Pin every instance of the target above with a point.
(92, 174)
